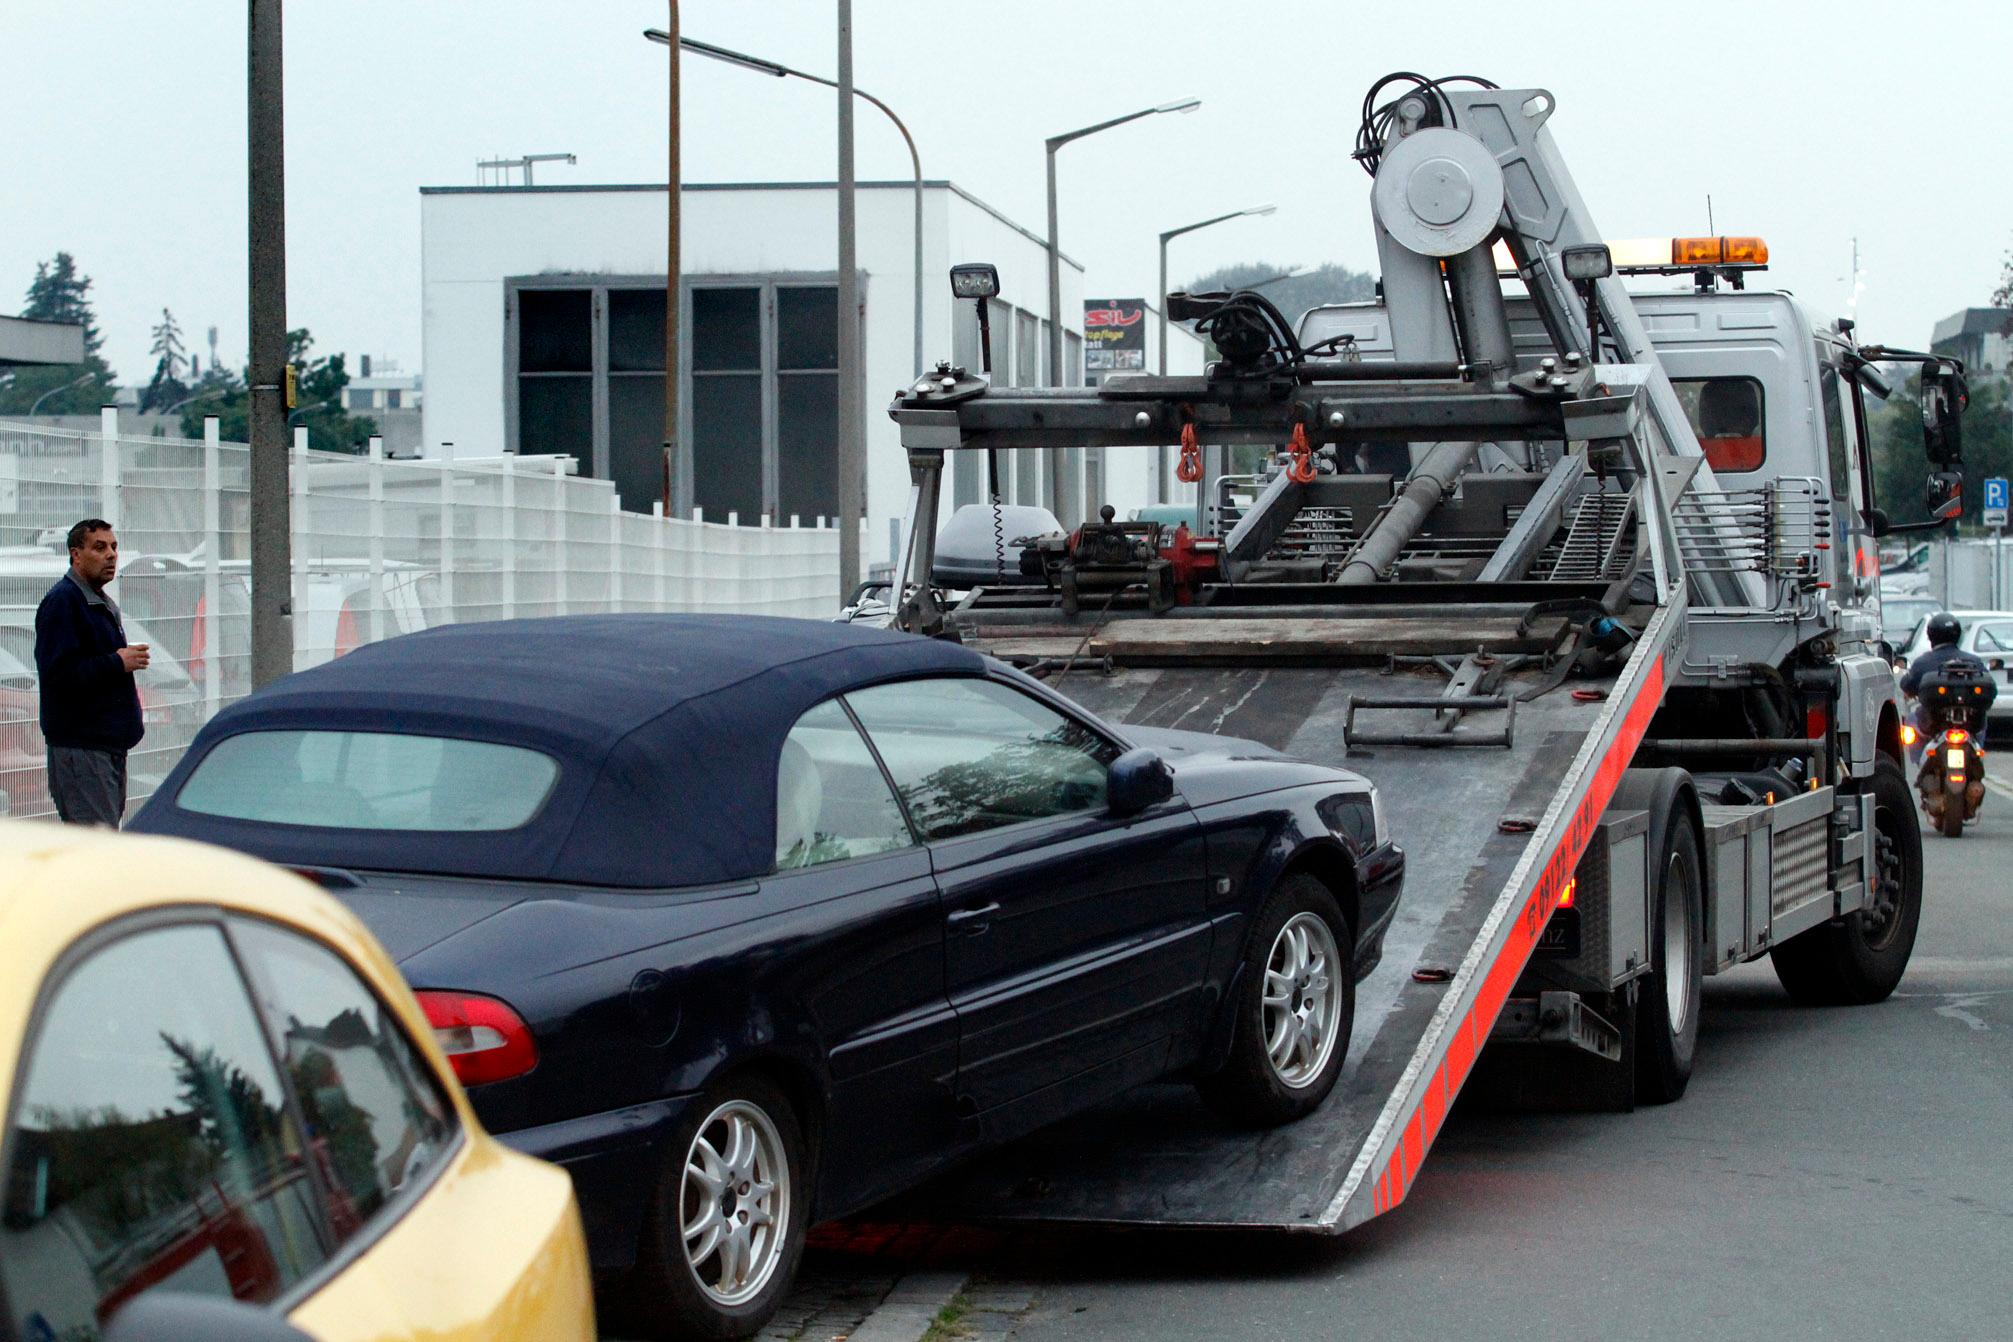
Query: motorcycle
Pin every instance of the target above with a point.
(1951, 779)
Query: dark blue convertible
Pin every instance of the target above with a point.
(750, 923)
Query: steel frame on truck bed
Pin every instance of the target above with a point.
(1489, 648)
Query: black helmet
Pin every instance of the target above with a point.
(1944, 629)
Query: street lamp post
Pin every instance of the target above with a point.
(1160, 457)
(1057, 456)
(76, 382)
(768, 67)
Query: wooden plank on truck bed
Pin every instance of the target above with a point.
(1140, 642)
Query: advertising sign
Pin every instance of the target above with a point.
(1114, 335)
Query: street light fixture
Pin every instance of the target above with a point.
(1160, 456)
(728, 56)
(1055, 142)
(78, 382)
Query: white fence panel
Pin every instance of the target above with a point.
(381, 547)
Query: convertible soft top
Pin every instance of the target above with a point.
(666, 728)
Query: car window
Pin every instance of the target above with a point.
(377, 1120)
(1995, 638)
(1726, 414)
(832, 801)
(970, 754)
(151, 1146)
(370, 780)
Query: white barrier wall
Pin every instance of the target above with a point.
(380, 547)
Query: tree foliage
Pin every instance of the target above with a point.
(60, 293)
(171, 361)
(1323, 284)
(318, 405)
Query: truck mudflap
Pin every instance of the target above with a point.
(1492, 837)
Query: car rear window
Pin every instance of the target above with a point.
(370, 781)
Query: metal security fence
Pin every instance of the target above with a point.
(381, 547)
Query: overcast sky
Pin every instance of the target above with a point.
(1809, 124)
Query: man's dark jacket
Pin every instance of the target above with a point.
(89, 699)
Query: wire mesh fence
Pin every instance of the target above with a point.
(381, 547)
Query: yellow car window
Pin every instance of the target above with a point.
(151, 1145)
(377, 1121)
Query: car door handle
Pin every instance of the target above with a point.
(973, 921)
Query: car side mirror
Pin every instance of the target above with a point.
(1136, 780)
(175, 1316)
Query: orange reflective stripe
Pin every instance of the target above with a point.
(1464, 1043)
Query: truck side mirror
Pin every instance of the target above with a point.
(1944, 399)
(1946, 495)
(1877, 522)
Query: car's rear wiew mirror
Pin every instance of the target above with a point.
(175, 1316)
(1136, 780)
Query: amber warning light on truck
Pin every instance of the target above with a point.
(1652, 256)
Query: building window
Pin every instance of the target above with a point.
(759, 390)
(391, 399)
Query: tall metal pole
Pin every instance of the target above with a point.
(763, 65)
(271, 530)
(1063, 502)
(1160, 487)
(851, 375)
(1060, 500)
(673, 309)
(1160, 462)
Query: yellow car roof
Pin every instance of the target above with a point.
(59, 882)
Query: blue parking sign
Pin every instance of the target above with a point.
(1995, 492)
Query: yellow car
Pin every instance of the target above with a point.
(227, 1116)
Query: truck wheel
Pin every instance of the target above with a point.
(1860, 958)
(726, 1227)
(1667, 1008)
(1292, 1010)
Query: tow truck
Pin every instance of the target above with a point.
(1584, 580)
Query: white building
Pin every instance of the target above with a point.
(544, 333)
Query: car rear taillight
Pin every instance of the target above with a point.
(484, 1039)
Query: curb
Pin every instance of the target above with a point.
(910, 1308)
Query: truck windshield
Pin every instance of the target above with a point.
(1727, 415)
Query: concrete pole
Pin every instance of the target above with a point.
(271, 550)
(672, 278)
(1161, 490)
(1058, 497)
(851, 376)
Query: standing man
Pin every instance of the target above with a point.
(90, 705)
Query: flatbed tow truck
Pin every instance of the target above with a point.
(1583, 580)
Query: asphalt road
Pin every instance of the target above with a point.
(1831, 1173)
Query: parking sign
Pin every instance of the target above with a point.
(1995, 501)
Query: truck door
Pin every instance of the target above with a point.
(1076, 942)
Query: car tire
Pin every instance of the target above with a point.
(1292, 1009)
(709, 1264)
(1667, 1008)
(1858, 959)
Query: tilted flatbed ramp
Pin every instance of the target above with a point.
(1476, 900)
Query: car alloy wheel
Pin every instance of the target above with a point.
(1302, 1005)
(734, 1203)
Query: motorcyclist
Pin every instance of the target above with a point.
(1944, 632)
